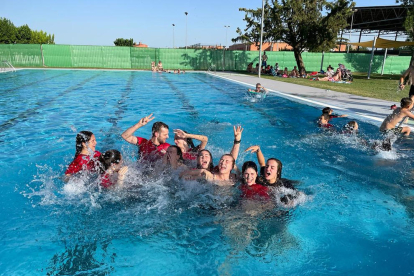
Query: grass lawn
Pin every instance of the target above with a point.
(380, 87)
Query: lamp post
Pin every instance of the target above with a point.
(261, 40)
(352, 21)
(186, 13)
(226, 34)
(173, 36)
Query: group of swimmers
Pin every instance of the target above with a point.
(189, 161)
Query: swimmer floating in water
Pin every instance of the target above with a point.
(326, 116)
(249, 188)
(86, 156)
(259, 89)
(112, 171)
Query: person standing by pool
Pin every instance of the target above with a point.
(264, 59)
(86, 156)
(185, 142)
(112, 171)
(154, 148)
(409, 75)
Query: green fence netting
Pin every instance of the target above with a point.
(73, 56)
(22, 55)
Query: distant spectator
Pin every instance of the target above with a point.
(250, 67)
(294, 73)
(264, 59)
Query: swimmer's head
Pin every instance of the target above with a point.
(273, 170)
(258, 85)
(249, 172)
(160, 132)
(205, 160)
(111, 159)
(226, 163)
(174, 152)
(85, 140)
(406, 103)
(327, 110)
(352, 125)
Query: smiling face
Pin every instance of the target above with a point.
(271, 171)
(203, 160)
(91, 144)
(226, 164)
(172, 154)
(250, 176)
(162, 135)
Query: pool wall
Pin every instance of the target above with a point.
(75, 56)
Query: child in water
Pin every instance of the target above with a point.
(259, 89)
(327, 116)
(112, 171)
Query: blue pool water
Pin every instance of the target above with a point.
(356, 217)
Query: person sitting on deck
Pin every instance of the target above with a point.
(327, 116)
(294, 73)
(154, 148)
(389, 124)
(336, 77)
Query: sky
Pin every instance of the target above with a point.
(100, 22)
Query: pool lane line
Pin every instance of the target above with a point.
(35, 82)
(184, 100)
(272, 120)
(108, 141)
(305, 100)
(29, 113)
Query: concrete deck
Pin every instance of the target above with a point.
(366, 109)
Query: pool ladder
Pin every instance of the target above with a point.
(212, 68)
(8, 68)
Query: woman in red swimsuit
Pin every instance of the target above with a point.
(249, 188)
(86, 157)
(112, 171)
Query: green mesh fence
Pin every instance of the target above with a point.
(22, 55)
(72, 56)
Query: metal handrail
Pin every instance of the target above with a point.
(6, 62)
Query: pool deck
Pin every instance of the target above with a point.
(363, 108)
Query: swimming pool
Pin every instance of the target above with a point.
(357, 217)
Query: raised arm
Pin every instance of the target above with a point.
(197, 174)
(237, 139)
(203, 139)
(259, 154)
(127, 135)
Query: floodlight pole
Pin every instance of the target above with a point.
(352, 21)
(186, 13)
(261, 41)
(173, 25)
(372, 56)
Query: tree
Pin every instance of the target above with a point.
(7, 31)
(124, 42)
(24, 35)
(311, 25)
(41, 37)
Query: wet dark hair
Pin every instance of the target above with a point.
(82, 137)
(210, 165)
(406, 102)
(108, 158)
(350, 125)
(179, 152)
(279, 167)
(156, 127)
(326, 110)
(249, 164)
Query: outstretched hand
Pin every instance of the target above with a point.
(146, 119)
(180, 133)
(237, 133)
(253, 149)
